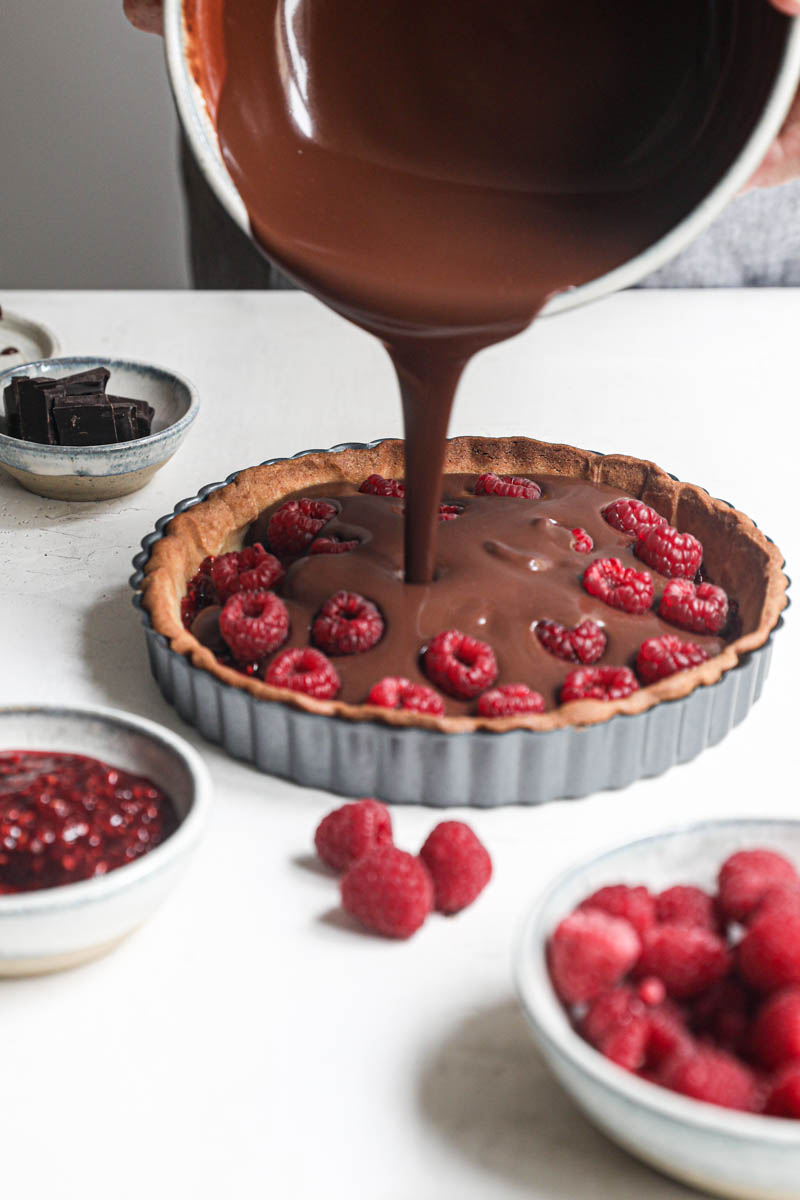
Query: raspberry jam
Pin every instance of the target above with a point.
(65, 817)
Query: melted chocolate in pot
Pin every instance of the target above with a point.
(436, 171)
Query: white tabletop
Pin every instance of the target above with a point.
(247, 1042)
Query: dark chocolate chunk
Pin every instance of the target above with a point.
(144, 417)
(9, 350)
(36, 399)
(124, 418)
(85, 421)
(86, 383)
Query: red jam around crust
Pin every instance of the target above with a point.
(541, 585)
(65, 817)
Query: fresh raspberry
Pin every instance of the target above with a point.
(631, 516)
(396, 692)
(723, 1013)
(619, 586)
(686, 905)
(582, 541)
(776, 1029)
(347, 624)
(304, 670)
(200, 594)
(376, 485)
(449, 512)
(517, 486)
(660, 657)
(459, 865)
(651, 992)
(389, 891)
(785, 897)
(598, 683)
(784, 1095)
(293, 527)
(584, 644)
(350, 832)
(698, 607)
(671, 553)
(188, 611)
(685, 958)
(510, 700)
(459, 664)
(635, 904)
(768, 956)
(590, 952)
(668, 1035)
(333, 545)
(713, 1076)
(608, 1012)
(746, 877)
(225, 575)
(254, 624)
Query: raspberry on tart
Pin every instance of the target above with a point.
(293, 527)
(619, 586)
(347, 624)
(253, 624)
(582, 542)
(586, 643)
(631, 516)
(700, 608)
(304, 670)
(670, 552)
(333, 545)
(517, 486)
(663, 656)
(459, 664)
(598, 683)
(510, 699)
(376, 485)
(396, 692)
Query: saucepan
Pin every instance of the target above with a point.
(756, 86)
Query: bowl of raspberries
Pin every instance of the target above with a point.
(661, 981)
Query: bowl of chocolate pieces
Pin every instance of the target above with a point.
(91, 428)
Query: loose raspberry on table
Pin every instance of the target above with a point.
(686, 905)
(671, 553)
(700, 608)
(459, 664)
(660, 657)
(631, 516)
(584, 644)
(376, 485)
(713, 1076)
(582, 542)
(333, 545)
(304, 670)
(399, 693)
(746, 877)
(293, 527)
(350, 832)
(783, 1099)
(510, 700)
(590, 952)
(598, 683)
(635, 904)
(389, 891)
(776, 1030)
(686, 958)
(768, 956)
(458, 863)
(347, 624)
(619, 586)
(517, 486)
(253, 624)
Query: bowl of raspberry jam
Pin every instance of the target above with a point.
(99, 812)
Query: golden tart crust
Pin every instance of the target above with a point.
(738, 556)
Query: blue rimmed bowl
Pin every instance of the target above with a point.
(715, 1149)
(103, 472)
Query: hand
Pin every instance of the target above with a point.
(782, 161)
(148, 14)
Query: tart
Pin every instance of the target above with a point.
(530, 554)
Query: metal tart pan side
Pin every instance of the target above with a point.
(420, 766)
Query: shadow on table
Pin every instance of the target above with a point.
(487, 1092)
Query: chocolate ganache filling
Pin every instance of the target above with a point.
(435, 172)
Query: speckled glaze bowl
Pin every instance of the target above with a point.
(60, 927)
(103, 472)
(719, 1151)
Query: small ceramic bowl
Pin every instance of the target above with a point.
(719, 1151)
(103, 472)
(60, 927)
(22, 340)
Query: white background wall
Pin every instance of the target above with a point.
(89, 185)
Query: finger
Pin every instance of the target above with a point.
(148, 15)
(790, 7)
(782, 160)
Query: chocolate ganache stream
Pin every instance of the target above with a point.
(436, 171)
